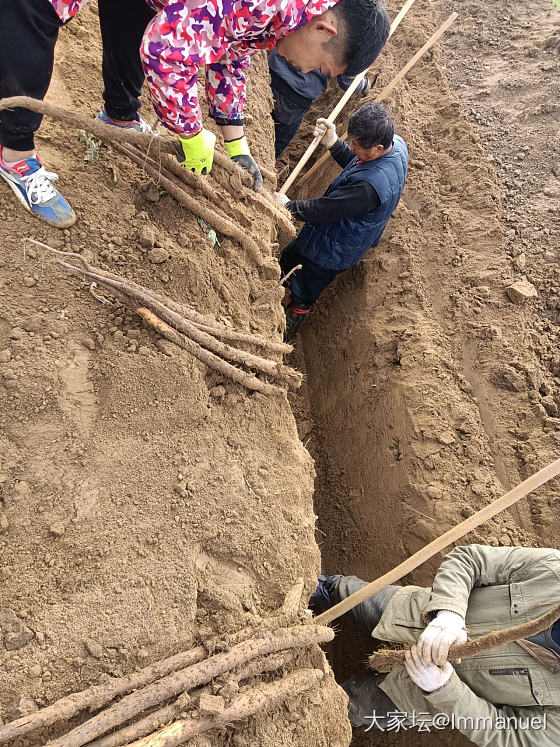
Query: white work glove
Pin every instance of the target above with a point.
(281, 199)
(446, 629)
(327, 131)
(429, 677)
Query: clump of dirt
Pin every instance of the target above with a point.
(147, 503)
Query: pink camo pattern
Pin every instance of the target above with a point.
(219, 34)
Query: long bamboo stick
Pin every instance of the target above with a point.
(341, 104)
(390, 86)
(454, 534)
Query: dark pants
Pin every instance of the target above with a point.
(123, 23)
(307, 284)
(368, 702)
(288, 114)
(28, 34)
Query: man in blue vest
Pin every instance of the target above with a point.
(350, 218)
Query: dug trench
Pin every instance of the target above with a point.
(428, 391)
(148, 503)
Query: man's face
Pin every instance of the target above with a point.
(365, 154)
(307, 47)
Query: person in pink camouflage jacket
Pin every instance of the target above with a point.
(175, 39)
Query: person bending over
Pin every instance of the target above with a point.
(169, 41)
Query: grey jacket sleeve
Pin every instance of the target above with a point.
(479, 565)
(487, 725)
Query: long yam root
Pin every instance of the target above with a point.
(152, 143)
(168, 687)
(205, 356)
(221, 224)
(97, 696)
(212, 326)
(162, 716)
(266, 695)
(385, 659)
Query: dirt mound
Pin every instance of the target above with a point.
(147, 502)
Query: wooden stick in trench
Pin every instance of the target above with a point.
(390, 86)
(386, 658)
(340, 106)
(439, 544)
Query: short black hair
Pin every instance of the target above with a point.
(365, 29)
(371, 125)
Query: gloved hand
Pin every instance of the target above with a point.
(238, 151)
(281, 199)
(197, 152)
(327, 131)
(428, 677)
(444, 630)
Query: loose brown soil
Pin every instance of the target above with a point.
(428, 391)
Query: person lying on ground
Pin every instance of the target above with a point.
(175, 38)
(350, 218)
(293, 92)
(506, 696)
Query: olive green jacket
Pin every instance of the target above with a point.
(493, 588)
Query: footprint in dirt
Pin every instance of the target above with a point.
(77, 399)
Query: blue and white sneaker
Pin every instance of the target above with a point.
(33, 186)
(137, 124)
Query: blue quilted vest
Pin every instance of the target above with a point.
(339, 245)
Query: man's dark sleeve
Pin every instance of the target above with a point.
(342, 153)
(348, 201)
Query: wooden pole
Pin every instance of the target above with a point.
(454, 534)
(388, 88)
(341, 104)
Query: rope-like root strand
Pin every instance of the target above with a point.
(193, 334)
(254, 699)
(385, 659)
(194, 676)
(152, 143)
(223, 225)
(162, 716)
(206, 323)
(205, 356)
(98, 696)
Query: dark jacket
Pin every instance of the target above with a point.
(308, 86)
(340, 244)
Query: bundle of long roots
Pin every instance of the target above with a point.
(165, 700)
(201, 195)
(208, 340)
